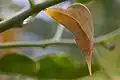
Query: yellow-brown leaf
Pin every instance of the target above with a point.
(78, 20)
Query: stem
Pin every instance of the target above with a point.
(17, 19)
(45, 43)
(32, 4)
(42, 43)
(59, 32)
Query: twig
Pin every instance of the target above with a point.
(42, 43)
(59, 32)
(32, 4)
(17, 19)
(45, 43)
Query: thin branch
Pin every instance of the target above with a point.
(45, 43)
(59, 32)
(98, 59)
(42, 43)
(17, 19)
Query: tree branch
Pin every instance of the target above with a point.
(17, 19)
(42, 43)
(45, 43)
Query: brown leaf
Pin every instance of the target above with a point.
(78, 20)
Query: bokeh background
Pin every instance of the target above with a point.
(106, 18)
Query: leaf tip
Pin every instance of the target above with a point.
(88, 60)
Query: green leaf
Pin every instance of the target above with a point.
(110, 60)
(1, 18)
(18, 63)
(83, 1)
(60, 66)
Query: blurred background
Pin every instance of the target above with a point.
(106, 18)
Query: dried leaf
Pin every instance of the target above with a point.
(78, 20)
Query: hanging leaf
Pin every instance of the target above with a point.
(18, 63)
(77, 19)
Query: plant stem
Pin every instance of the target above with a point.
(59, 32)
(45, 43)
(17, 19)
(32, 4)
(42, 43)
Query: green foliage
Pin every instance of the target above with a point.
(1, 18)
(17, 63)
(32, 4)
(63, 67)
(110, 59)
(57, 66)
